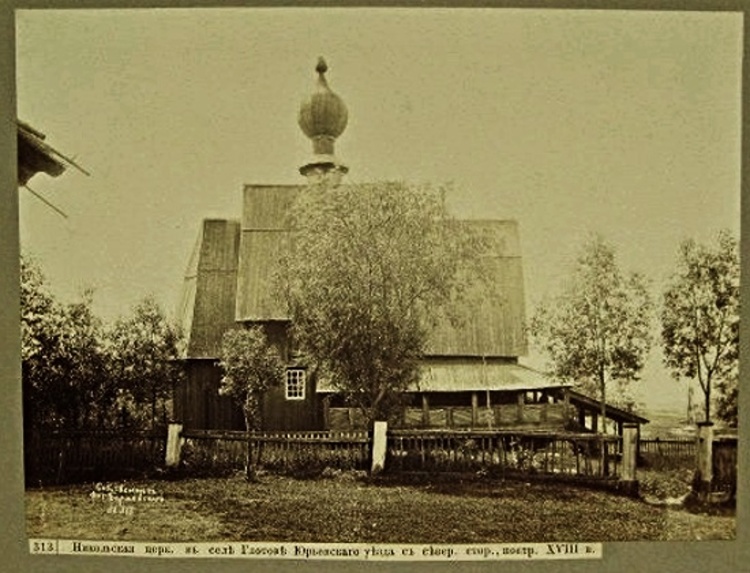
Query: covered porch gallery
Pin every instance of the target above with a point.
(485, 396)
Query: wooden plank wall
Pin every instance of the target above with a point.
(198, 403)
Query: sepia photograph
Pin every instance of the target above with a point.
(378, 284)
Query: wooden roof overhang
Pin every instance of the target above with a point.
(612, 412)
(35, 155)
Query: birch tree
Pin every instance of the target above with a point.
(251, 367)
(700, 320)
(596, 331)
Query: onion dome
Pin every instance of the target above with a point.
(323, 115)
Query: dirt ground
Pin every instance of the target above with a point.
(346, 508)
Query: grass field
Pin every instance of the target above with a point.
(346, 509)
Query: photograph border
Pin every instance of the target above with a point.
(624, 556)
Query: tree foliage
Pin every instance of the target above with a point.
(700, 320)
(596, 331)
(63, 359)
(143, 351)
(370, 268)
(251, 366)
(78, 373)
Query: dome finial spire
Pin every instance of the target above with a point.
(323, 117)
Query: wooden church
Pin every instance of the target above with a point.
(471, 376)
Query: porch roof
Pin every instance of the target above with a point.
(451, 376)
(613, 413)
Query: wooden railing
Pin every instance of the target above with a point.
(499, 416)
(90, 455)
(505, 453)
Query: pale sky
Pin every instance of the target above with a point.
(571, 122)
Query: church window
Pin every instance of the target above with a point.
(295, 384)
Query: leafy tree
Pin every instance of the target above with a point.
(77, 373)
(726, 405)
(700, 320)
(370, 268)
(596, 332)
(143, 351)
(41, 317)
(63, 360)
(251, 366)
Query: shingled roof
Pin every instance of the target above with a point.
(229, 281)
(265, 235)
(210, 287)
(489, 325)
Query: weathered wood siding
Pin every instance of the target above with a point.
(198, 404)
(282, 414)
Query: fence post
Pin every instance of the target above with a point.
(628, 481)
(704, 461)
(174, 445)
(379, 439)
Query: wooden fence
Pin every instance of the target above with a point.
(661, 454)
(297, 452)
(70, 456)
(506, 453)
(90, 455)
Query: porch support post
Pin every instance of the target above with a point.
(474, 409)
(425, 410)
(327, 412)
(521, 398)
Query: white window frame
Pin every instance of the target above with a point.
(295, 378)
